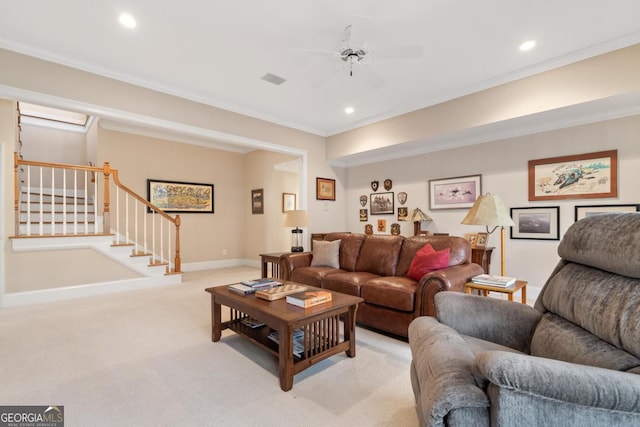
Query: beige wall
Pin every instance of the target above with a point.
(504, 168)
(7, 147)
(40, 270)
(203, 236)
(53, 145)
(266, 232)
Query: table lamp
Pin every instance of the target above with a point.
(488, 210)
(417, 216)
(296, 219)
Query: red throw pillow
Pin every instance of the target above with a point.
(427, 260)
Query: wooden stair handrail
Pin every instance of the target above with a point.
(107, 171)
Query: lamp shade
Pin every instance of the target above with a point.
(490, 211)
(418, 215)
(295, 219)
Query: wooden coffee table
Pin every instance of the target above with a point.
(320, 326)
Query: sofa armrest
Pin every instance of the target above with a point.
(291, 261)
(502, 322)
(554, 384)
(447, 279)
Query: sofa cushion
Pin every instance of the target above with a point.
(347, 282)
(379, 255)
(393, 292)
(349, 250)
(326, 254)
(312, 275)
(426, 261)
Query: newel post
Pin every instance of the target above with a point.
(16, 199)
(106, 220)
(177, 260)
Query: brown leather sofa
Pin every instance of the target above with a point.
(374, 267)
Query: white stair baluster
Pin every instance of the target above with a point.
(64, 201)
(28, 200)
(53, 201)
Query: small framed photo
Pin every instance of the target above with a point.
(325, 189)
(454, 193)
(257, 201)
(382, 225)
(364, 215)
(403, 213)
(539, 223)
(471, 238)
(481, 239)
(585, 211)
(381, 203)
(288, 202)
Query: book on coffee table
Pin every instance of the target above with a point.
(280, 292)
(309, 298)
(261, 283)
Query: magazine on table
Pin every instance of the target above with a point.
(489, 279)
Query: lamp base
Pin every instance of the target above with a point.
(297, 249)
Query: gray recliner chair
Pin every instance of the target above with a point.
(572, 360)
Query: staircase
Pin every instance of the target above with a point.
(56, 214)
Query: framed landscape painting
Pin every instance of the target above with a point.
(583, 176)
(539, 223)
(180, 197)
(454, 193)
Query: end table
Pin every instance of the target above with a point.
(520, 285)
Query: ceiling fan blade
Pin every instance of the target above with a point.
(399, 52)
(370, 76)
(314, 52)
(357, 31)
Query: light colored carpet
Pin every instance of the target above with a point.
(145, 358)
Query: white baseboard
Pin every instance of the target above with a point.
(207, 265)
(93, 289)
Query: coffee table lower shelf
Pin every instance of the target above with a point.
(321, 328)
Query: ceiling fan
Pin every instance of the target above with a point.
(357, 56)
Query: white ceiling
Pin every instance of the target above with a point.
(217, 51)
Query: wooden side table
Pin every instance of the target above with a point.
(273, 259)
(520, 285)
(482, 257)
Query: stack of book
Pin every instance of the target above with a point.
(248, 287)
(280, 291)
(298, 340)
(488, 279)
(309, 298)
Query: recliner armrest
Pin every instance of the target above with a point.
(560, 381)
(503, 322)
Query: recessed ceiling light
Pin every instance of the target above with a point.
(528, 45)
(127, 20)
(349, 110)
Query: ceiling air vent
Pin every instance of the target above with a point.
(272, 78)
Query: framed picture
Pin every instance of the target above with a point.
(257, 201)
(539, 223)
(482, 239)
(403, 213)
(364, 216)
(325, 189)
(382, 225)
(583, 176)
(585, 211)
(288, 202)
(180, 197)
(454, 193)
(471, 238)
(381, 203)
